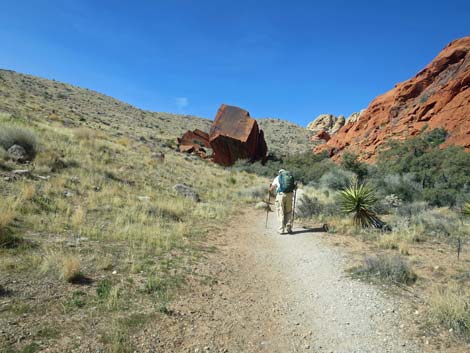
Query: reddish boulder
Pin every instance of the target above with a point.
(195, 138)
(235, 135)
(437, 97)
(194, 142)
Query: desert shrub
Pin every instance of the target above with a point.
(104, 288)
(387, 268)
(70, 269)
(465, 208)
(351, 163)
(450, 306)
(441, 173)
(3, 154)
(336, 179)
(254, 193)
(412, 209)
(403, 186)
(8, 213)
(65, 266)
(13, 135)
(305, 167)
(387, 204)
(308, 206)
(437, 222)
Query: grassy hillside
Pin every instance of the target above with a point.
(284, 137)
(29, 96)
(33, 97)
(94, 240)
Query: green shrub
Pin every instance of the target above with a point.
(466, 208)
(412, 209)
(104, 288)
(402, 185)
(337, 179)
(308, 206)
(437, 222)
(388, 268)
(13, 135)
(259, 192)
(350, 162)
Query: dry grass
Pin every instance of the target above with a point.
(450, 306)
(70, 269)
(108, 213)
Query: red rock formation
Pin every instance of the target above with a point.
(235, 135)
(437, 97)
(323, 135)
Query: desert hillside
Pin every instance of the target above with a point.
(437, 97)
(30, 96)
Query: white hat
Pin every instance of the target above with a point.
(281, 171)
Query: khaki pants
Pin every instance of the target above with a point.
(284, 211)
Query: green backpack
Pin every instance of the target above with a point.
(286, 182)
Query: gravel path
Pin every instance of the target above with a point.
(286, 293)
(344, 315)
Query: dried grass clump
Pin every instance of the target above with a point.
(392, 269)
(450, 306)
(14, 135)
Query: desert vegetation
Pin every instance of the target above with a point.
(94, 239)
(410, 209)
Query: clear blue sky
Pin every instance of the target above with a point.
(288, 59)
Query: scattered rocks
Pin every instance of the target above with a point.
(187, 192)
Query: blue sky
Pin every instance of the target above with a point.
(288, 59)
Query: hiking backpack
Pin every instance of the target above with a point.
(286, 182)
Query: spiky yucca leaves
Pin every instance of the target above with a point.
(466, 208)
(358, 200)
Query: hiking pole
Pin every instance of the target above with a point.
(293, 208)
(267, 208)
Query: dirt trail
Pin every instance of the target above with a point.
(286, 293)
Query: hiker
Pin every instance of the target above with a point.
(284, 185)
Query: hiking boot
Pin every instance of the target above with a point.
(281, 232)
(289, 230)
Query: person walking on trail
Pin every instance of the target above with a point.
(284, 185)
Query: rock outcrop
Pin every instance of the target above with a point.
(437, 97)
(235, 135)
(328, 123)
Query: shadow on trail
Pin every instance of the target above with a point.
(321, 229)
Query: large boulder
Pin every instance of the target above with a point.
(437, 97)
(235, 135)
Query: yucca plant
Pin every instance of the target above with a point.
(358, 199)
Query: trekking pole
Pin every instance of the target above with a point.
(267, 208)
(293, 208)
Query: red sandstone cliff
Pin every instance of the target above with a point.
(438, 96)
